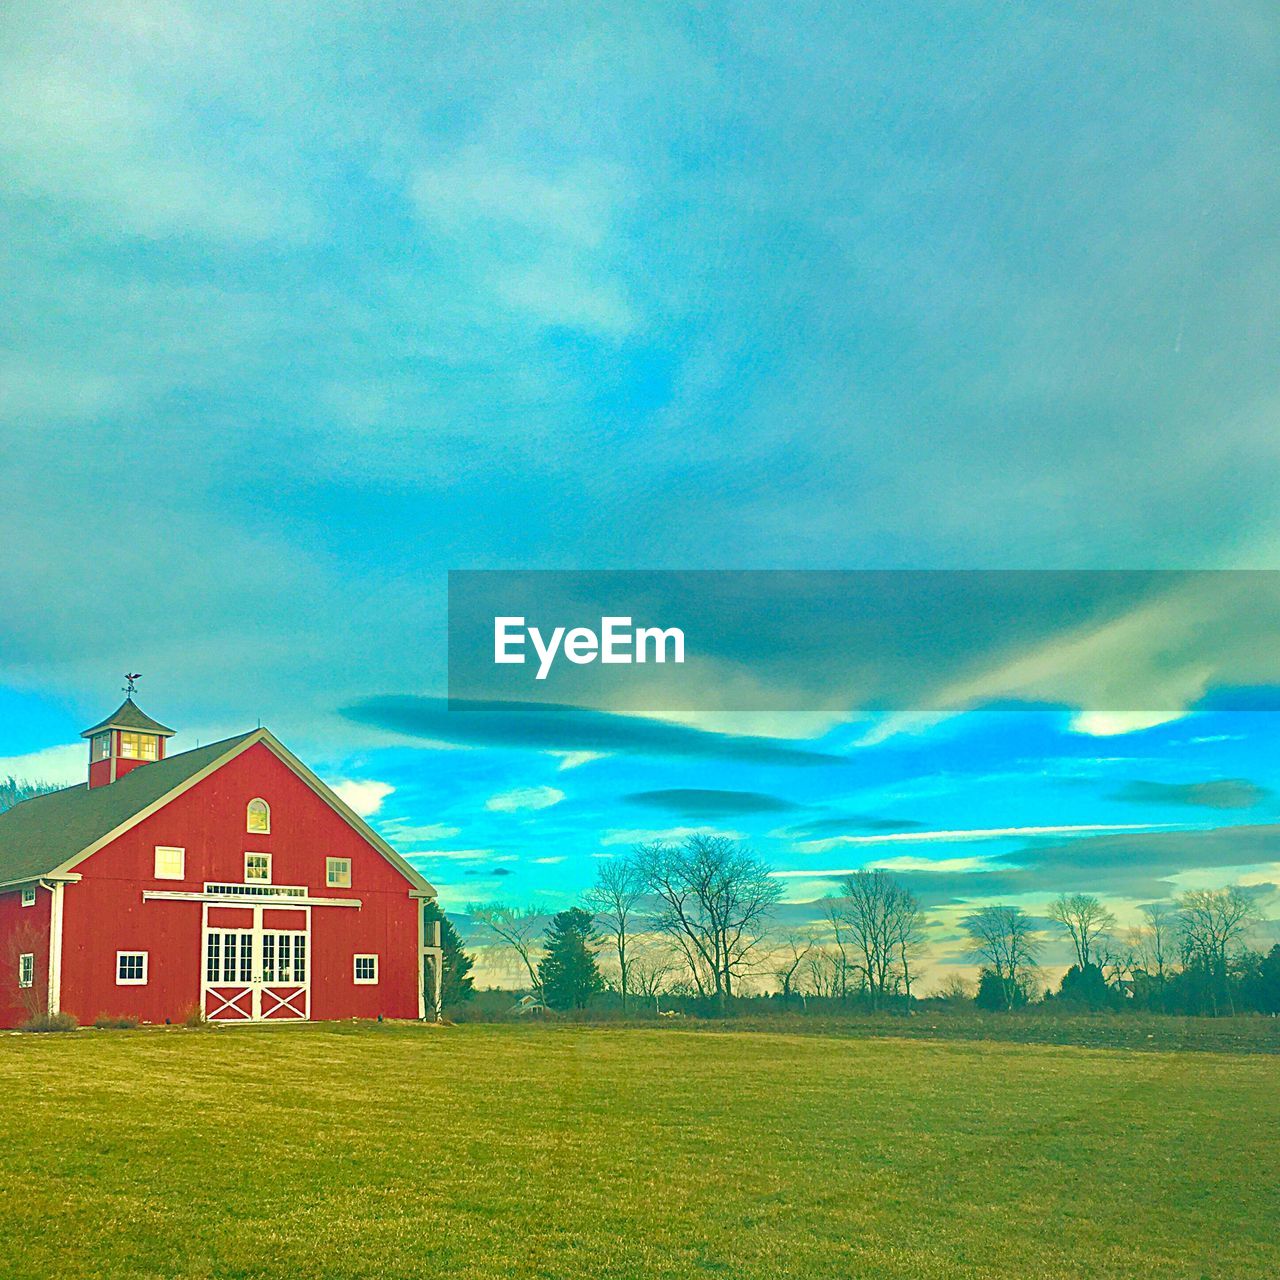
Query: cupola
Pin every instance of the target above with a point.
(124, 740)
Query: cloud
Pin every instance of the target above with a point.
(1219, 793)
(61, 766)
(523, 798)
(550, 727)
(695, 803)
(841, 824)
(453, 855)
(636, 835)
(365, 796)
(965, 834)
(576, 759)
(398, 829)
(538, 240)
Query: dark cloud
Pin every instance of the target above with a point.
(552, 727)
(1141, 866)
(698, 803)
(851, 824)
(1219, 793)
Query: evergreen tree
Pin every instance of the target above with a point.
(15, 791)
(569, 972)
(1268, 990)
(455, 975)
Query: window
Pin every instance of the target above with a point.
(131, 968)
(171, 864)
(229, 957)
(28, 897)
(26, 969)
(337, 873)
(258, 817)
(101, 746)
(138, 746)
(257, 866)
(257, 890)
(366, 970)
(284, 956)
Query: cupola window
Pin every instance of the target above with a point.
(139, 746)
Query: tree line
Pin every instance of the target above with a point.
(697, 920)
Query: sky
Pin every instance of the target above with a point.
(299, 316)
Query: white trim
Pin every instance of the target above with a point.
(420, 886)
(23, 967)
(422, 967)
(55, 948)
(249, 828)
(133, 982)
(226, 900)
(29, 896)
(330, 882)
(248, 879)
(182, 863)
(8, 886)
(355, 971)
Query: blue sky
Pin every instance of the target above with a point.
(300, 315)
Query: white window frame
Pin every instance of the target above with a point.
(29, 896)
(133, 982)
(182, 862)
(266, 879)
(355, 971)
(330, 882)
(27, 969)
(252, 830)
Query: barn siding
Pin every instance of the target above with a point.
(105, 911)
(23, 929)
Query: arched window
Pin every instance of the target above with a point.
(259, 817)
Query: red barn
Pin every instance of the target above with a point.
(228, 879)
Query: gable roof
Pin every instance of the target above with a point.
(49, 834)
(128, 715)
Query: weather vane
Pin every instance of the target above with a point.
(131, 688)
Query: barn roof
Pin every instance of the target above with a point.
(128, 715)
(47, 833)
(38, 835)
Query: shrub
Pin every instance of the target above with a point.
(193, 1017)
(105, 1022)
(51, 1022)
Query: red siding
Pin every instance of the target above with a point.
(23, 929)
(105, 912)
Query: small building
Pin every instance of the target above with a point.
(227, 880)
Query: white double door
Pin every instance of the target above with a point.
(255, 973)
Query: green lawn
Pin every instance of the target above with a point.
(511, 1151)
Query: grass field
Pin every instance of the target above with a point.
(496, 1151)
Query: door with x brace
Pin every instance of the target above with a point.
(257, 974)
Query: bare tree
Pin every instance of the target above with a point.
(518, 929)
(1087, 922)
(651, 968)
(786, 962)
(25, 939)
(614, 897)
(713, 902)
(955, 990)
(907, 925)
(1006, 940)
(840, 963)
(1212, 926)
(884, 925)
